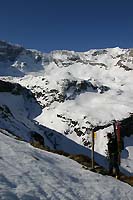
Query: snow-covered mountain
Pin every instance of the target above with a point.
(75, 92)
(62, 95)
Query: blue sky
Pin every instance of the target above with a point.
(77, 25)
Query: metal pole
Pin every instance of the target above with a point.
(92, 152)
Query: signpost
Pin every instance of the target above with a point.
(92, 152)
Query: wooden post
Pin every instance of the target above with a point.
(118, 141)
(92, 152)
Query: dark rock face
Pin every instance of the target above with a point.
(15, 89)
(29, 109)
(119, 63)
(36, 137)
(9, 52)
(131, 52)
(5, 111)
(6, 86)
(127, 126)
(100, 52)
(74, 88)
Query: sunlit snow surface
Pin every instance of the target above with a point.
(28, 173)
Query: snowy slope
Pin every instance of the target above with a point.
(18, 108)
(29, 173)
(76, 90)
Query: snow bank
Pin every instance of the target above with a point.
(29, 173)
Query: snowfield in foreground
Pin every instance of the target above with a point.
(27, 173)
